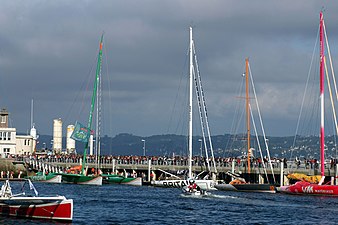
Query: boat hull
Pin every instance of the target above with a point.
(225, 187)
(58, 208)
(50, 178)
(256, 187)
(116, 179)
(268, 188)
(195, 193)
(203, 184)
(81, 179)
(306, 188)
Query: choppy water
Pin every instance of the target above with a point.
(120, 204)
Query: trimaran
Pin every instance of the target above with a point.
(238, 183)
(82, 133)
(205, 184)
(305, 187)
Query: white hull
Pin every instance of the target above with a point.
(95, 181)
(56, 179)
(208, 185)
(136, 182)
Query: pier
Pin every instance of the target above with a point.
(160, 167)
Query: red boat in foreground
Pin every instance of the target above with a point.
(51, 208)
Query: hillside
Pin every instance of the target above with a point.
(224, 145)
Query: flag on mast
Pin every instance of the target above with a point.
(80, 133)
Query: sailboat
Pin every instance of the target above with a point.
(238, 183)
(34, 207)
(41, 176)
(305, 187)
(82, 133)
(204, 184)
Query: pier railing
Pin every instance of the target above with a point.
(58, 163)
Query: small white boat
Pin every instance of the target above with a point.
(52, 207)
(194, 191)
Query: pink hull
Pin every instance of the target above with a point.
(306, 188)
(52, 211)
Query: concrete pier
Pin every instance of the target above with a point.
(150, 167)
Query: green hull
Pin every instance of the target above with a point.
(81, 179)
(117, 179)
(51, 177)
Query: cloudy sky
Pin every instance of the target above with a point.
(48, 51)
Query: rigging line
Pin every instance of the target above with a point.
(261, 123)
(234, 126)
(183, 113)
(85, 88)
(98, 119)
(198, 96)
(330, 58)
(204, 109)
(202, 122)
(305, 93)
(236, 121)
(330, 93)
(313, 114)
(110, 98)
(333, 78)
(258, 142)
(94, 96)
(177, 92)
(201, 119)
(239, 123)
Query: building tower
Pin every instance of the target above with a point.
(70, 143)
(57, 136)
(3, 118)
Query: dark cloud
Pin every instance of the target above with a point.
(48, 53)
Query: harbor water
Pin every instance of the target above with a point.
(121, 204)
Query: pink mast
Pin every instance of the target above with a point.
(321, 40)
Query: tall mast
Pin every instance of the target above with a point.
(32, 112)
(97, 77)
(321, 68)
(247, 109)
(190, 102)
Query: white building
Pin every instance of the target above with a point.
(70, 145)
(25, 145)
(57, 136)
(10, 142)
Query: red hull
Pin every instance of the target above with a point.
(52, 211)
(306, 188)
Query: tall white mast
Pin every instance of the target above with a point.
(190, 103)
(32, 106)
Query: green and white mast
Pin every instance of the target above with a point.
(97, 78)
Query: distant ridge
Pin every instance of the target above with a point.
(169, 144)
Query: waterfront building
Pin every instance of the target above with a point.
(70, 143)
(57, 136)
(10, 142)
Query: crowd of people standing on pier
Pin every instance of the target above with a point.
(183, 161)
